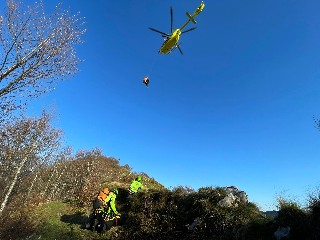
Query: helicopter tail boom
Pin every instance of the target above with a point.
(198, 10)
(196, 13)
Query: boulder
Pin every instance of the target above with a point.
(243, 197)
(231, 189)
(282, 233)
(236, 192)
(234, 197)
(228, 201)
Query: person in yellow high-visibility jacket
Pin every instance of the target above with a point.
(111, 200)
(104, 213)
(135, 185)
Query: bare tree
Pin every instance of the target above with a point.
(38, 52)
(317, 123)
(34, 141)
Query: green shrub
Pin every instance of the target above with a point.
(290, 214)
(314, 208)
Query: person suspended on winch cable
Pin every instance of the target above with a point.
(146, 81)
(135, 185)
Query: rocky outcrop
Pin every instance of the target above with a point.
(228, 201)
(234, 197)
(282, 233)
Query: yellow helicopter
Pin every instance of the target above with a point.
(171, 42)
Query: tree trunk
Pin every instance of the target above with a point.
(30, 188)
(4, 203)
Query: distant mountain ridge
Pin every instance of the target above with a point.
(270, 213)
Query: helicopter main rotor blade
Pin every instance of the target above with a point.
(180, 50)
(171, 20)
(189, 30)
(159, 32)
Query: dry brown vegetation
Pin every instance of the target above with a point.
(79, 178)
(30, 142)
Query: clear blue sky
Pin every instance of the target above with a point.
(235, 109)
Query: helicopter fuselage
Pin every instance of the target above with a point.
(170, 42)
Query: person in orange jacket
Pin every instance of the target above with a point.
(101, 199)
(146, 81)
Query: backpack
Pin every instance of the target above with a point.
(103, 194)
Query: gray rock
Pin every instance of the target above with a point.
(228, 201)
(282, 233)
(243, 197)
(231, 189)
(236, 192)
(234, 197)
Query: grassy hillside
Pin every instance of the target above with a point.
(57, 210)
